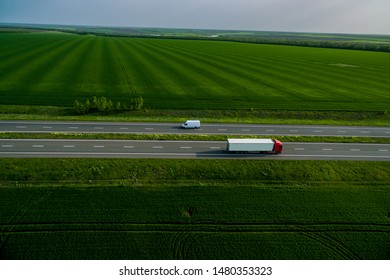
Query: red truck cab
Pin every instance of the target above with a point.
(278, 146)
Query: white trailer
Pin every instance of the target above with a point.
(254, 146)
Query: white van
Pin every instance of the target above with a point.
(191, 124)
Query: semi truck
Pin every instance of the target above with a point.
(270, 146)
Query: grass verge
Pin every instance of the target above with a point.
(171, 171)
(13, 112)
(190, 137)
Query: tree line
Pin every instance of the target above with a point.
(104, 104)
(350, 45)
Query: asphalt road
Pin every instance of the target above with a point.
(56, 148)
(165, 128)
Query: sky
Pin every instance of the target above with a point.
(323, 16)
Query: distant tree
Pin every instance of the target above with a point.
(110, 105)
(80, 108)
(136, 103)
(99, 104)
(88, 104)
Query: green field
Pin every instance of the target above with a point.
(56, 69)
(191, 209)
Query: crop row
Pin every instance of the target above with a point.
(56, 69)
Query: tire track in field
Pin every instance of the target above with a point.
(332, 244)
(183, 227)
(179, 245)
(125, 73)
(7, 229)
(182, 237)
